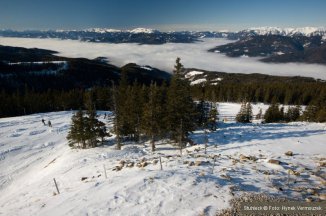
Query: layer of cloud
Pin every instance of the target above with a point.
(163, 56)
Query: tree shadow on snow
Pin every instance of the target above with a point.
(235, 132)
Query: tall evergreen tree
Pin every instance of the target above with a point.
(153, 115)
(245, 113)
(212, 118)
(76, 134)
(273, 114)
(259, 114)
(180, 106)
(292, 114)
(310, 113)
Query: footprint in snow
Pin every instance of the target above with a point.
(15, 135)
(32, 133)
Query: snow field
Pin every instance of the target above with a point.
(31, 155)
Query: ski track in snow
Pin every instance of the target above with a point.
(32, 154)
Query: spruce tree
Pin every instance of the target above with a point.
(248, 112)
(212, 118)
(76, 134)
(152, 115)
(259, 114)
(241, 116)
(180, 107)
(273, 114)
(292, 114)
(245, 113)
(91, 123)
(310, 113)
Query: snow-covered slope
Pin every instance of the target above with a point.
(143, 30)
(306, 31)
(32, 154)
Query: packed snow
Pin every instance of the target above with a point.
(193, 183)
(193, 55)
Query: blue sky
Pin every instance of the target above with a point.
(160, 14)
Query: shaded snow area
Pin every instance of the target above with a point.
(32, 154)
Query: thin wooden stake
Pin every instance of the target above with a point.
(213, 165)
(161, 164)
(105, 171)
(56, 185)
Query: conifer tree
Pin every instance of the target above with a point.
(153, 114)
(116, 121)
(91, 123)
(76, 134)
(212, 119)
(273, 114)
(180, 107)
(310, 113)
(259, 114)
(248, 112)
(292, 114)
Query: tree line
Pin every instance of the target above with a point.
(149, 112)
(277, 113)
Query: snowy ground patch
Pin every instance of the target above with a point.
(236, 161)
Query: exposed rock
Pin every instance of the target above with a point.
(191, 163)
(83, 178)
(309, 199)
(243, 157)
(198, 163)
(225, 176)
(202, 174)
(143, 164)
(155, 161)
(311, 191)
(266, 172)
(293, 172)
(253, 158)
(117, 168)
(273, 161)
(322, 163)
(289, 153)
(322, 197)
(130, 164)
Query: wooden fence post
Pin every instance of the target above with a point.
(161, 163)
(55, 182)
(105, 171)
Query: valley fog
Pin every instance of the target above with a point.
(193, 55)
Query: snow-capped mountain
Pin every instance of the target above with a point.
(152, 36)
(304, 31)
(133, 31)
(143, 30)
(102, 30)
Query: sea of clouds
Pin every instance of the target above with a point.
(193, 55)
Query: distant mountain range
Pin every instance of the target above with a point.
(277, 48)
(272, 44)
(151, 36)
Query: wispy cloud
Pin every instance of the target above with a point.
(163, 56)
